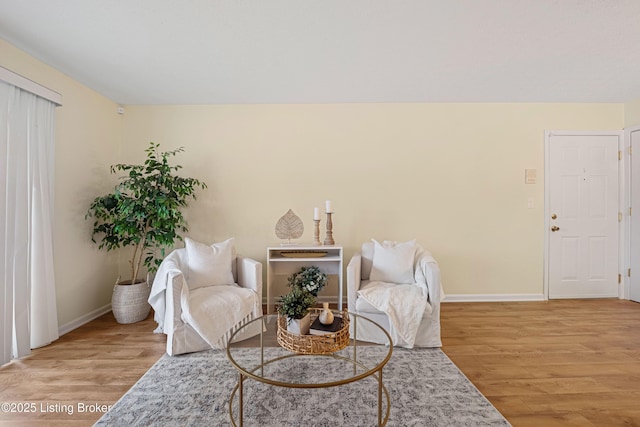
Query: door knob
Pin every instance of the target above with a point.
(555, 228)
(554, 216)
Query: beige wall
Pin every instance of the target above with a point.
(88, 134)
(449, 175)
(632, 113)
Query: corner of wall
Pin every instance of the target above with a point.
(632, 113)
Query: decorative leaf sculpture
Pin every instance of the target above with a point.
(289, 226)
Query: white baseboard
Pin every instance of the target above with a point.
(329, 299)
(320, 300)
(74, 324)
(493, 297)
(460, 298)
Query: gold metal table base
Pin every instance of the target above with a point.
(375, 374)
(256, 372)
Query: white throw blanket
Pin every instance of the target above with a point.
(171, 265)
(217, 311)
(403, 304)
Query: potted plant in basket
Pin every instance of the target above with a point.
(143, 212)
(305, 285)
(295, 307)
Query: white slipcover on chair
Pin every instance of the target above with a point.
(405, 303)
(201, 294)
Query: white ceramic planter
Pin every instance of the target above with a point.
(299, 326)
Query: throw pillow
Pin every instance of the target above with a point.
(209, 265)
(393, 262)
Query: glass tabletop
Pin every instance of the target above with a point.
(254, 351)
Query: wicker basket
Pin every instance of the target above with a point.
(314, 344)
(129, 302)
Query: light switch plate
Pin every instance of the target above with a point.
(530, 176)
(531, 203)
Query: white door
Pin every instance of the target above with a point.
(634, 255)
(583, 224)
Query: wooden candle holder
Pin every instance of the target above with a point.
(328, 239)
(316, 232)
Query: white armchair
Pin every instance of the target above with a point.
(425, 272)
(197, 315)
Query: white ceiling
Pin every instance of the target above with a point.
(336, 51)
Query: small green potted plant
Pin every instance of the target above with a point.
(305, 285)
(295, 307)
(310, 279)
(142, 212)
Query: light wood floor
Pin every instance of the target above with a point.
(96, 363)
(540, 363)
(551, 363)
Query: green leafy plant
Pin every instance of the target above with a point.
(310, 279)
(295, 304)
(143, 211)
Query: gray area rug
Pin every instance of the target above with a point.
(425, 389)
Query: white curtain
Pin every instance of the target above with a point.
(28, 313)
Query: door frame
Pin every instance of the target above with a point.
(622, 198)
(627, 156)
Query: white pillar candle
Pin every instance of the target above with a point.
(328, 207)
(316, 214)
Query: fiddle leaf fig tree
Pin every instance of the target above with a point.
(144, 210)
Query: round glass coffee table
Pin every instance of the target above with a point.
(259, 357)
